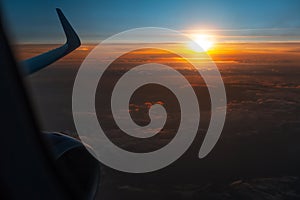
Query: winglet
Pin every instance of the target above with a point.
(73, 40)
(43, 60)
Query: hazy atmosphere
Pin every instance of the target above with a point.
(254, 44)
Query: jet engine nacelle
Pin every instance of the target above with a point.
(77, 166)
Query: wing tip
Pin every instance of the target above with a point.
(38, 62)
(72, 38)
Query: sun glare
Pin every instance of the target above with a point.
(204, 41)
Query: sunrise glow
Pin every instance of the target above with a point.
(205, 42)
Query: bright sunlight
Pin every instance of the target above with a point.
(206, 42)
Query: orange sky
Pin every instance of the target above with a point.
(221, 53)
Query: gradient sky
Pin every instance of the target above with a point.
(35, 21)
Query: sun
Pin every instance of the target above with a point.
(206, 42)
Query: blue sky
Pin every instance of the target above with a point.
(36, 20)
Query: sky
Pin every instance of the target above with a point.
(35, 21)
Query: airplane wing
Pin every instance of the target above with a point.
(41, 61)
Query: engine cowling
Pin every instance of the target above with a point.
(78, 167)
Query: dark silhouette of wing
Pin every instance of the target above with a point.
(41, 61)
